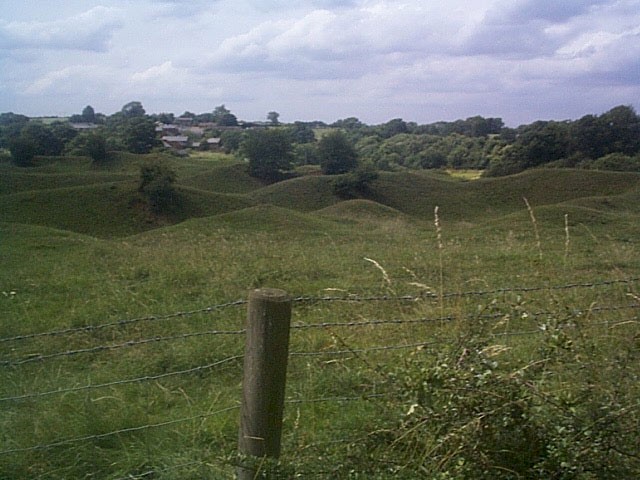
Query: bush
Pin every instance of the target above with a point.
(337, 154)
(472, 410)
(156, 184)
(355, 184)
(91, 144)
(270, 153)
(617, 162)
(22, 151)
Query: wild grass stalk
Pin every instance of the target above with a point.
(567, 238)
(440, 259)
(534, 222)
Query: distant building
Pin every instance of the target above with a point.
(184, 121)
(167, 129)
(179, 142)
(84, 126)
(213, 143)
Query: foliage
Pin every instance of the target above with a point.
(157, 185)
(223, 117)
(270, 153)
(92, 144)
(302, 133)
(392, 127)
(473, 411)
(22, 149)
(133, 109)
(306, 154)
(231, 140)
(590, 137)
(616, 162)
(355, 184)
(10, 126)
(273, 118)
(139, 135)
(425, 151)
(89, 114)
(36, 138)
(337, 153)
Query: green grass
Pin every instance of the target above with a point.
(75, 251)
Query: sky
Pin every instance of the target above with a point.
(420, 60)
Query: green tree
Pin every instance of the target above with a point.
(10, 126)
(223, 117)
(92, 144)
(302, 133)
(157, 185)
(355, 184)
(63, 132)
(392, 127)
(231, 140)
(133, 109)
(623, 129)
(273, 118)
(89, 114)
(306, 154)
(22, 149)
(139, 135)
(270, 153)
(337, 154)
(44, 138)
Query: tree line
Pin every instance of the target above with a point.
(607, 141)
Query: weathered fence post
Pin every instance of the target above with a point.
(263, 384)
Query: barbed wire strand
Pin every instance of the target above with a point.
(123, 322)
(448, 318)
(312, 299)
(146, 378)
(100, 436)
(115, 346)
(358, 298)
(131, 343)
(88, 438)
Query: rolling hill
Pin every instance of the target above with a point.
(103, 202)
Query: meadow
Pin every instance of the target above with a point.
(442, 327)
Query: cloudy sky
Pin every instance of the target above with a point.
(421, 60)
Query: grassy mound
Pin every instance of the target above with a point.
(360, 210)
(231, 178)
(304, 194)
(270, 218)
(417, 194)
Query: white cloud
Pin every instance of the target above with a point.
(90, 30)
(163, 72)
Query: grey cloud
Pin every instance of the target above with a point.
(521, 29)
(553, 11)
(181, 8)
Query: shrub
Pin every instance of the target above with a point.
(616, 161)
(156, 184)
(356, 183)
(472, 410)
(337, 154)
(270, 153)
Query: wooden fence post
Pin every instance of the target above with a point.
(264, 376)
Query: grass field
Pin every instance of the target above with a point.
(502, 343)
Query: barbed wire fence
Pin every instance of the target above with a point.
(16, 354)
